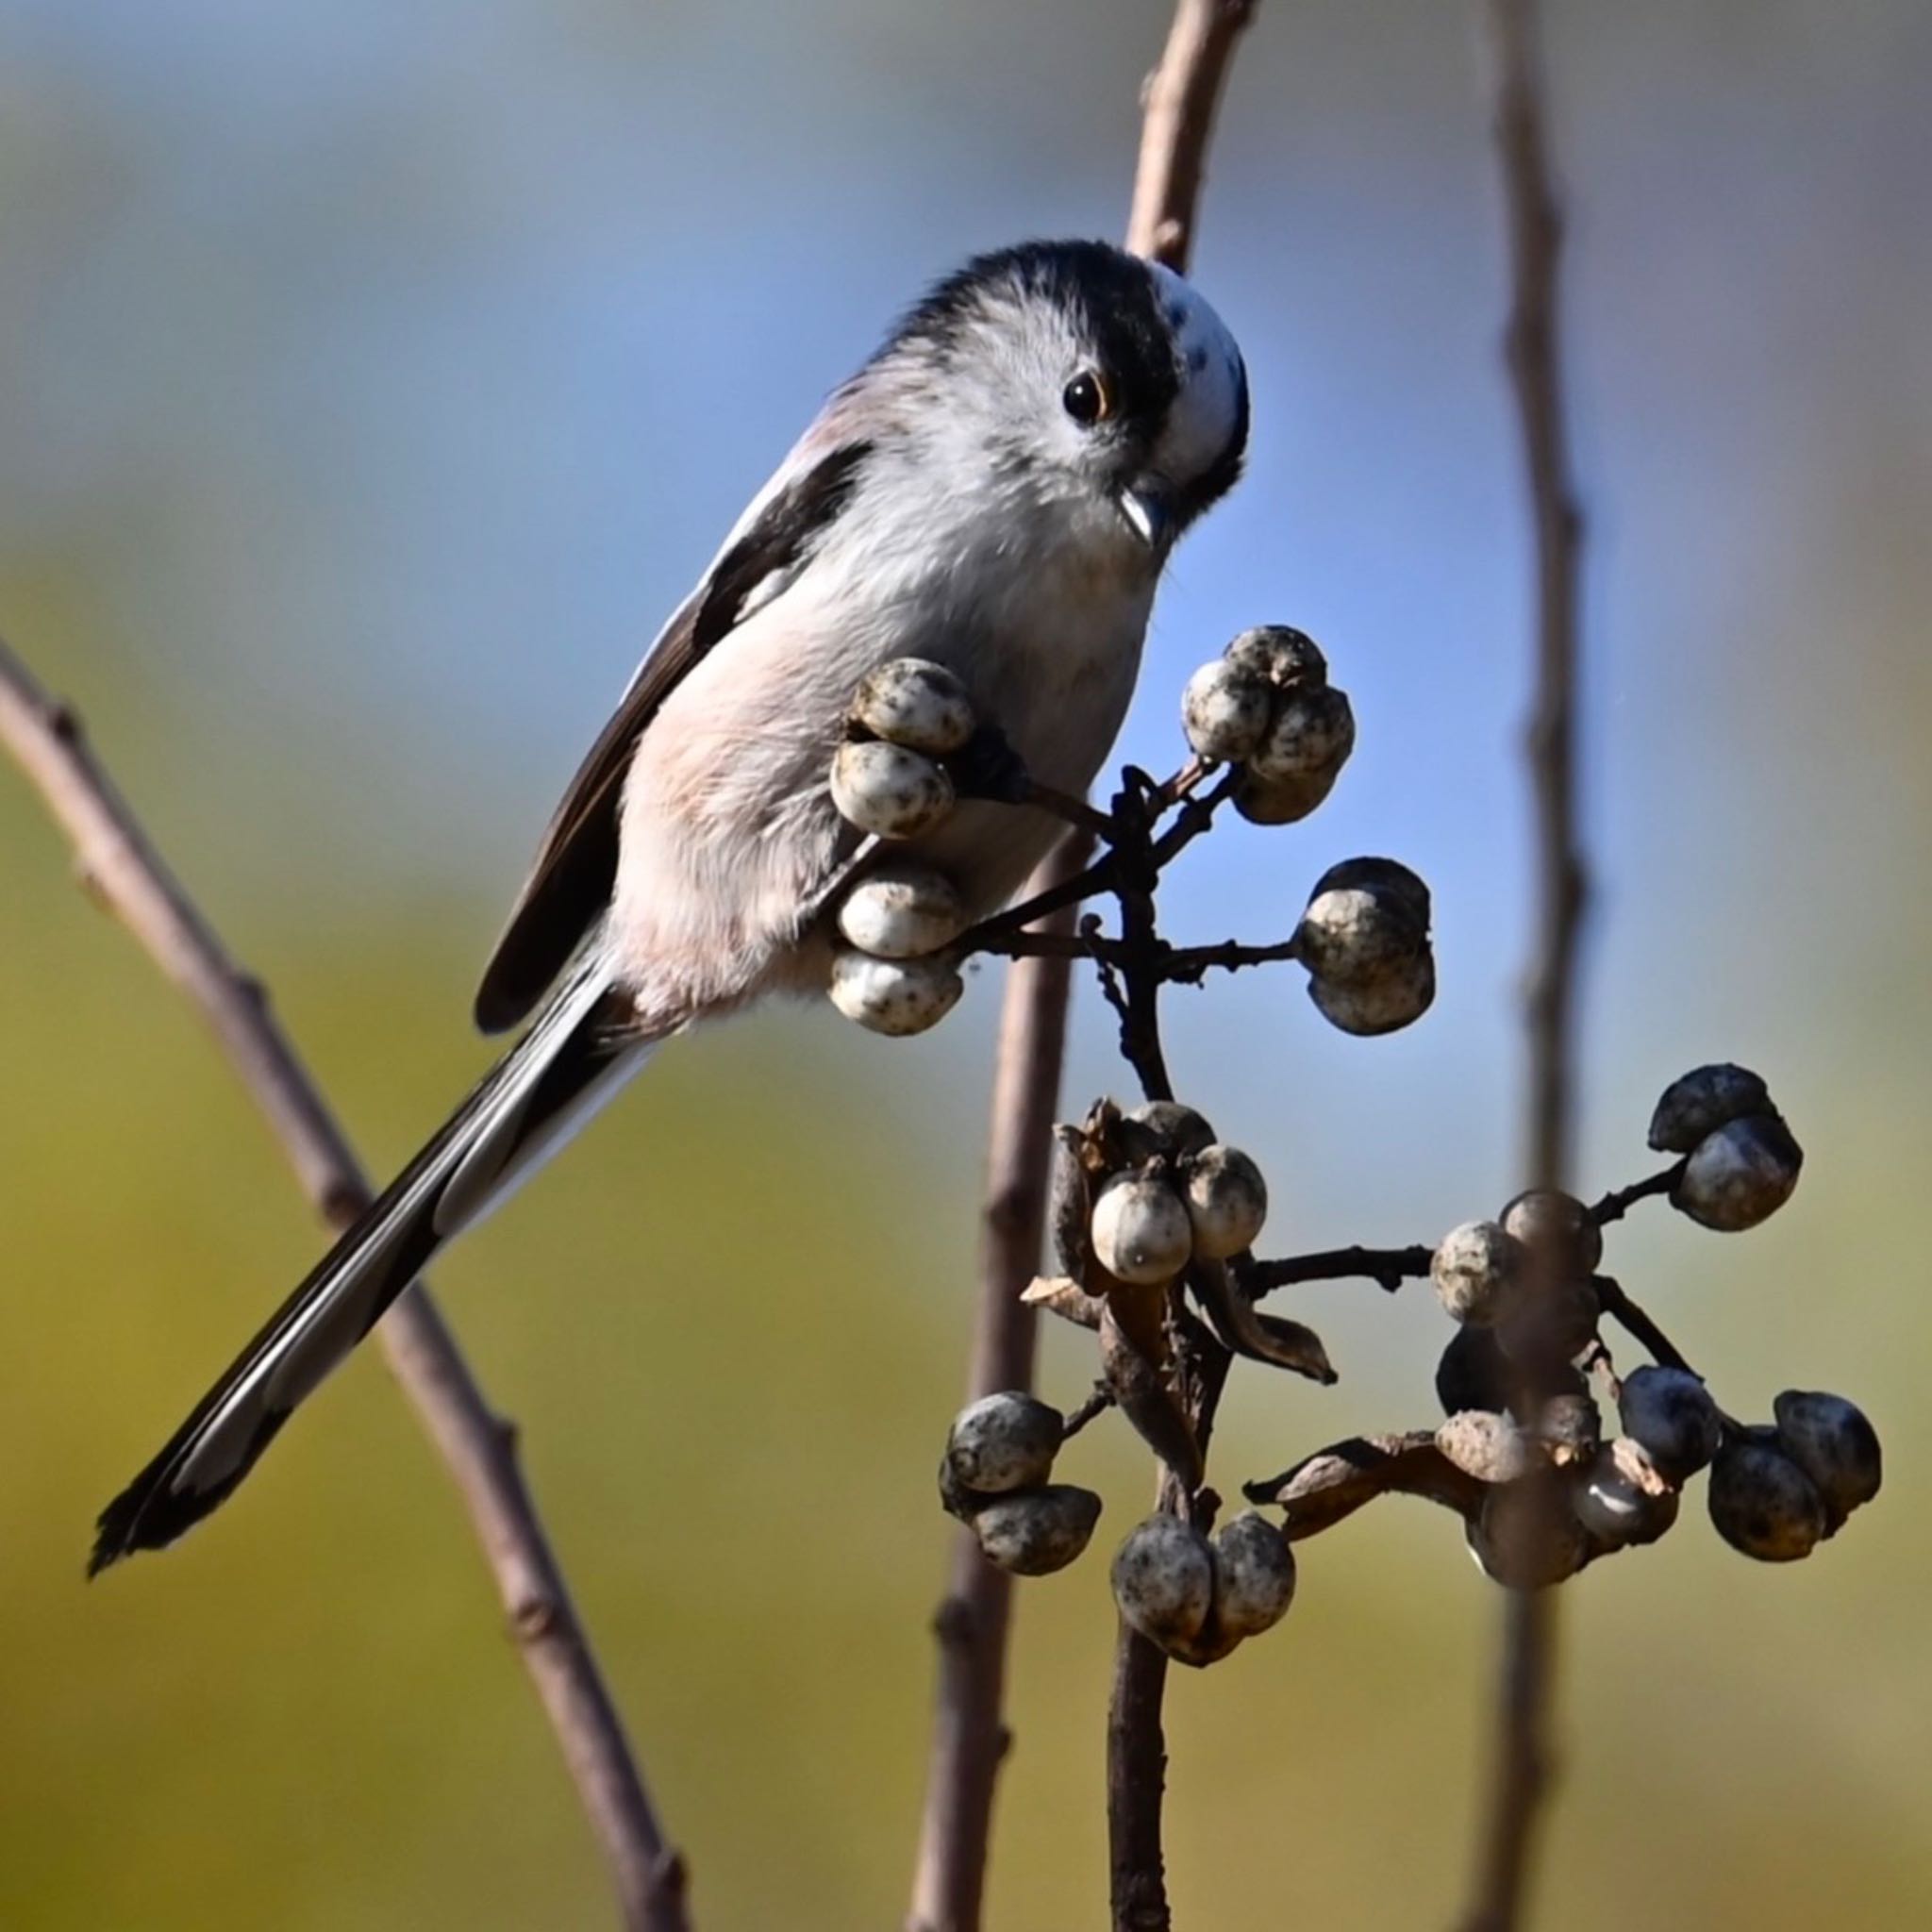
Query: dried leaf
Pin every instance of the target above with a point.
(1323, 1488)
(1243, 1330)
(1140, 1388)
(1058, 1295)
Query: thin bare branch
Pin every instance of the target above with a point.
(970, 1737)
(1522, 1752)
(1388, 1268)
(122, 869)
(1182, 96)
(949, 1882)
(1619, 1201)
(1177, 123)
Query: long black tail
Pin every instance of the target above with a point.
(575, 1056)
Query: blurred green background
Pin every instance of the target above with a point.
(372, 379)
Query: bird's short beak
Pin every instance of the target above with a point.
(1148, 506)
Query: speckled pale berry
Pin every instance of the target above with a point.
(1351, 935)
(1385, 1004)
(1313, 733)
(1004, 1441)
(1141, 1231)
(1477, 1271)
(1286, 657)
(1254, 1575)
(1226, 712)
(1036, 1531)
(917, 704)
(1227, 1201)
(903, 912)
(1739, 1176)
(1163, 1580)
(889, 790)
(897, 997)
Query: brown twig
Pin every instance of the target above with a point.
(1521, 1771)
(1389, 1268)
(1619, 1201)
(1635, 1322)
(1177, 123)
(970, 1737)
(949, 1882)
(1178, 119)
(125, 873)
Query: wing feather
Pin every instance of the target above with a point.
(569, 882)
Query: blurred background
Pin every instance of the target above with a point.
(375, 377)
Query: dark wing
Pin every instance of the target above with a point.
(571, 880)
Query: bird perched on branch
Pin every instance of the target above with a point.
(996, 491)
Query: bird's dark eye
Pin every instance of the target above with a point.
(1087, 398)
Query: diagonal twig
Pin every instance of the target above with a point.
(1521, 1775)
(122, 869)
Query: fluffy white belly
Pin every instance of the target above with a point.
(729, 830)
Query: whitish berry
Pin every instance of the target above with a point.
(1355, 934)
(1706, 1099)
(1038, 1531)
(1004, 1441)
(1227, 1201)
(1313, 733)
(1488, 1446)
(1226, 710)
(1163, 1580)
(1165, 1128)
(1670, 1415)
(1556, 1231)
(888, 790)
(1391, 1001)
(1615, 1509)
(1763, 1504)
(903, 912)
(1254, 1575)
(1478, 1272)
(1388, 876)
(1527, 1536)
(1739, 1176)
(1141, 1231)
(894, 996)
(1285, 657)
(917, 704)
(1282, 801)
(1831, 1441)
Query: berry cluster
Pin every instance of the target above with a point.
(890, 779)
(1547, 1493)
(994, 1477)
(1153, 1218)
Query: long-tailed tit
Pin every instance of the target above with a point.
(997, 489)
